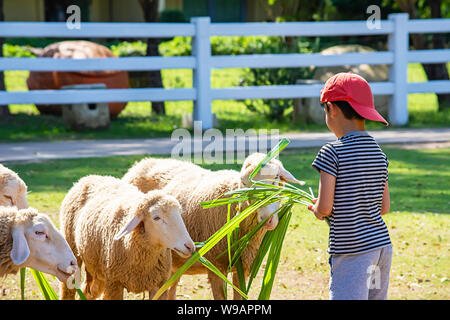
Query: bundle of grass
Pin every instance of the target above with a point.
(260, 194)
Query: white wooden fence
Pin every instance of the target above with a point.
(397, 27)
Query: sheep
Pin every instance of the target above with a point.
(13, 191)
(122, 236)
(29, 239)
(190, 184)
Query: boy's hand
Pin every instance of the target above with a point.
(312, 208)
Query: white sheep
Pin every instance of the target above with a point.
(29, 239)
(13, 191)
(190, 184)
(122, 236)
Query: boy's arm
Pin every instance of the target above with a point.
(386, 203)
(324, 204)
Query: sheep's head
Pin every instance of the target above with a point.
(272, 173)
(13, 191)
(38, 244)
(158, 216)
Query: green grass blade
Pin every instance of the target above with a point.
(270, 155)
(81, 294)
(22, 283)
(263, 249)
(177, 274)
(245, 240)
(241, 274)
(274, 258)
(216, 237)
(213, 268)
(229, 234)
(210, 243)
(45, 287)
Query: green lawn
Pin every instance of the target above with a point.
(419, 224)
(136, 121)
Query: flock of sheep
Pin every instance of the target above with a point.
(133, 232)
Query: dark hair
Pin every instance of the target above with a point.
(347, 110)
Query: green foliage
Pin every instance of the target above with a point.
(16, 51)
(172, 16)
(274, 109)
(271, 108)
(129, 49)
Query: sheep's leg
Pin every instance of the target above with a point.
(66, 293)
(217, 286)
(86, 288)
(113, 291)
(93, 287)
(172, 292)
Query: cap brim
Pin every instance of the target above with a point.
(368, 113)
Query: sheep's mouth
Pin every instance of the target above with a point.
(62, 275)
(271, 224)
(181, 253)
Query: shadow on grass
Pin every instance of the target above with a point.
(31, 127)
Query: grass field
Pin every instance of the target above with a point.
(419, 225)
(136, 121)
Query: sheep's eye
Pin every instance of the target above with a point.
(156, 218)
(40, 233)
(10, 199)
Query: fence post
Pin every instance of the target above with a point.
(398, 43)
(201, 49)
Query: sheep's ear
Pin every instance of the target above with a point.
(130, 226)
(287, 176)
(20, 250)
(245, 174)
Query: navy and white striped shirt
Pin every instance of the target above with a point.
(360, 168)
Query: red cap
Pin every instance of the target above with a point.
(350, 87)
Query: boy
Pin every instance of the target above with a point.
(353, 192)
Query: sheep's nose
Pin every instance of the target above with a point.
(73, 266)
(189, 246)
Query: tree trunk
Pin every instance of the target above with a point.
(438, 71)
(435, 71)
(150, 11)
(4, 109)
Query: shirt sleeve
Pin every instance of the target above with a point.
(387, 171)
(326, 160)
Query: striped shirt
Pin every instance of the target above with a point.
(360, 168)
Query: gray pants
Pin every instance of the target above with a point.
(362, 276)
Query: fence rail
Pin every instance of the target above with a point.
(397, 28)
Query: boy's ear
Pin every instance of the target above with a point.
(332, 109)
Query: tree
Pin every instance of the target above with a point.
(4, 110)
(430, 9)
(150, 11)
